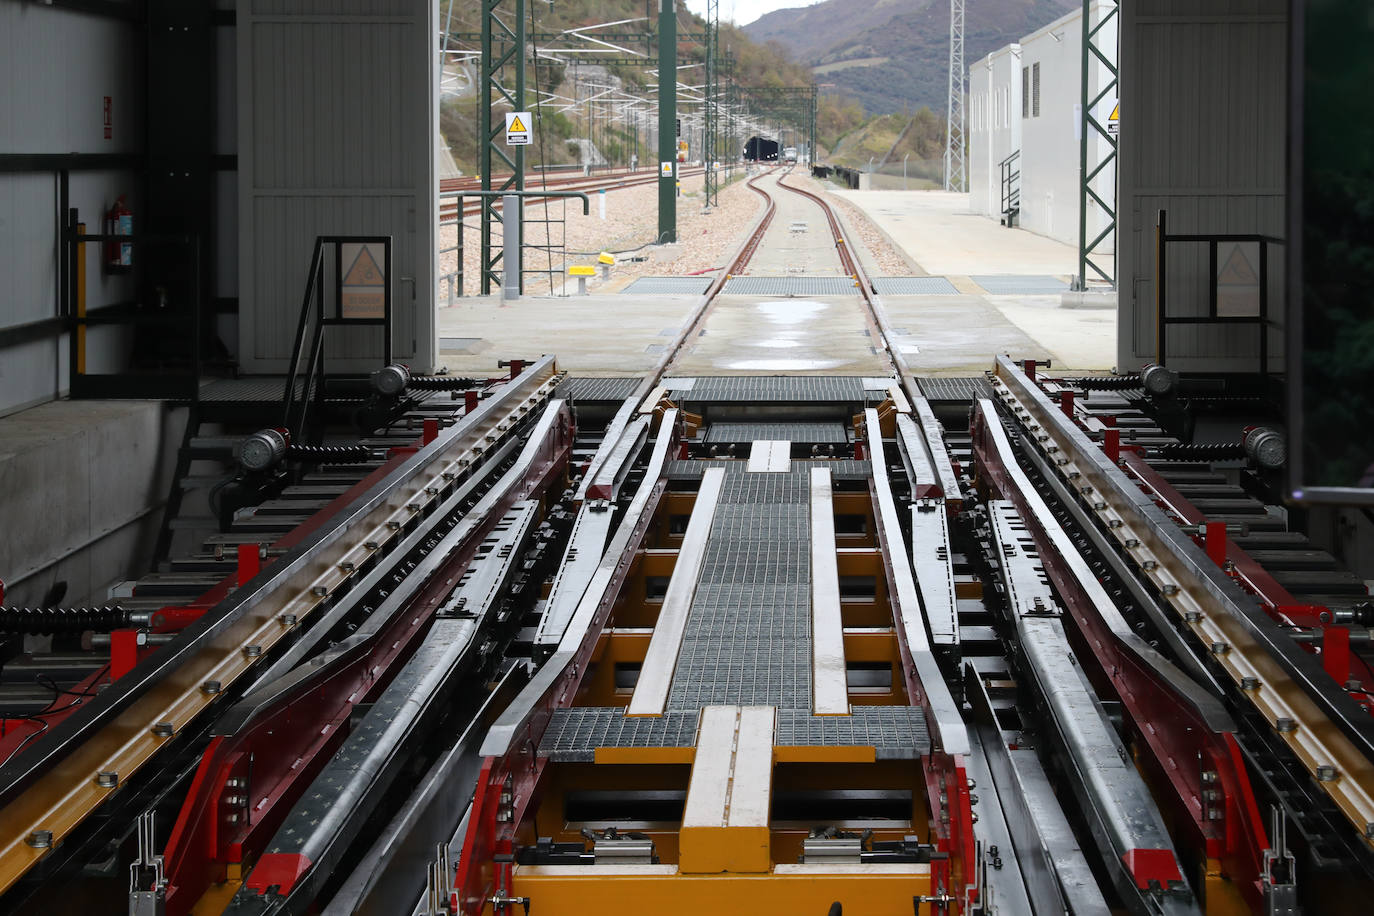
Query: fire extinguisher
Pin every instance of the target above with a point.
(119, 256)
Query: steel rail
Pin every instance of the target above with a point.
(448, 211)
(51, 788)
(1326, 730)
(319, 828)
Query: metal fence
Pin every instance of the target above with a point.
(543, 238)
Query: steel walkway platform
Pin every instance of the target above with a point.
(747, 635)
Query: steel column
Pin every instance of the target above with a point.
(956, 173)
(502, 46)
(667, 121)
(1089, 171)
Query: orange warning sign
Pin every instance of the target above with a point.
(363, 285)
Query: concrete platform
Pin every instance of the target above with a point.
(608, 334)
(946, 238)
(939, 232)
(746, 335)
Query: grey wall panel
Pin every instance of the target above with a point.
(56, 68)
(285, 253)
(337, 115)
(1202, 136)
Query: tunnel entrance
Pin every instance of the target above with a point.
(761, 149)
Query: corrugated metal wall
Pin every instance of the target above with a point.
(337, 118)
(56, 67)
(1203, 127)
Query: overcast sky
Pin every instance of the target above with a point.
(743, 12)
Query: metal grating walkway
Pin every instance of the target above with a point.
(790, 286)
(840, 468)
(669, 286)
(941, 388)
(896, 732)
(257, 388)
(913, 286)
(582, 388)
(573, 735)
(808, 389)
(806, 433)
(748, 633)
(1020, 285)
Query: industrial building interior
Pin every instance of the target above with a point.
(1004, 548)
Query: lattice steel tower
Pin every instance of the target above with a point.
(956, 172)
(711, 121)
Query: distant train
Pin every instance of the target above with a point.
(789, 155)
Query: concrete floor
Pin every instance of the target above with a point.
(611, 334)
(939, 232)
(625, 334)
(746, 335)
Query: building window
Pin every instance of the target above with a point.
(1025, 92)
(1035, 90)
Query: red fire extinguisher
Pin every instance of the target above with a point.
(119, 256)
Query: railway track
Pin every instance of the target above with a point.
(452, 188)
(1063, 688)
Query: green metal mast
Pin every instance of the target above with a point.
(503, 55)
(711, 127)
(1089, 254)
(667, 122)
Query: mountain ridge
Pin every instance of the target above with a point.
(893, 55)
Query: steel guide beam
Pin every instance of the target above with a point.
(1187, 729)
(52, 786)
(947, 782)
(1321, 725)
(264, 726)
(512, 767)
(320, 826)
(1048, 857)
(1122, 815)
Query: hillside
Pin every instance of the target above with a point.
(562, 131)
(893, 55)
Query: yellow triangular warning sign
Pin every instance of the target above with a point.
(364, 271)
(517, 126)
(1116, 113)
(1237, 271)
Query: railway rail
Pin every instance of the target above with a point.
(453, 188)
(745, 643)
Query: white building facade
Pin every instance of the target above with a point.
(1027, 98)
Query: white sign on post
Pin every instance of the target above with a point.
(665, 169)
(518, 128)
(1114, 120)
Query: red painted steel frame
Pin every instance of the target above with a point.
(1181, 744)
(945, 775)
(488, 837)
(280, 751)
(1277, 601)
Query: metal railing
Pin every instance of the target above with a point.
(163, 364)
(354, 305)
(454, 278)
(1163, 320)
(1011, 188)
